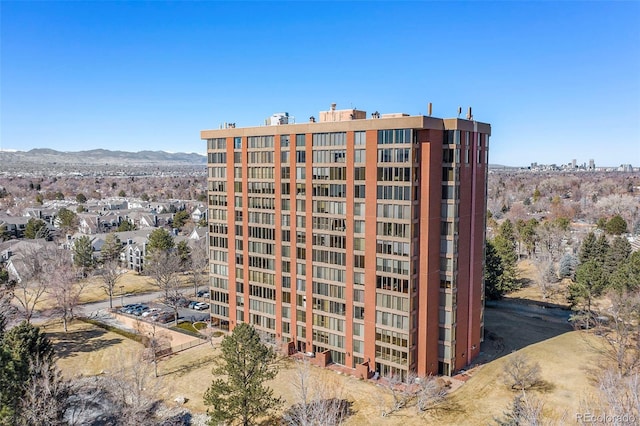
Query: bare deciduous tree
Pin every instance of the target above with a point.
(64, 287)
(622, 333)
(109, 273)
(124, 396)
(45, 399)
(156, 342)
(34, 266)
(424, 392)
(431, 392)
(320, 402)
(525, 410)
(163, 266)
(618, 397)
(198, 264)
(547, 278)
(520, 373)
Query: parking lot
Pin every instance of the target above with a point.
(152, 309)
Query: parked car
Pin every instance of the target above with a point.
(154, 316)
(140, 310)
(166, 317)
(179, 301)
(132, 308)
(201, 306)
(151, 312)
(204, 293)
(129, 306)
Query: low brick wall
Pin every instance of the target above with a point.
(175, 339)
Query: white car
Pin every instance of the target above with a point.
(201, 306)
(150, 312)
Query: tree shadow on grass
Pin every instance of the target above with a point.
(185, 369)
(544, 386)
(434, 414)
(84, 340)
(525, 282)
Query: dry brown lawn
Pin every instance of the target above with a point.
(132, 282)
(565, 360)
(87, 350)
(531, 291)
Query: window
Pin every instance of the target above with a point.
(301, 173)
(260, 142)
(284, 141)
(394, 136)
(237, 143)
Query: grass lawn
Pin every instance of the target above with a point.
(565, 361)
(530, 291)
(132, 283)
(87, 350)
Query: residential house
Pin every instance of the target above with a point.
(15, 225)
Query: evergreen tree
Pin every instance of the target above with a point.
(627, 274)
(616, 225)
(505, 247)
(601, 223)
(588, 248)
(180, 218)
(536, 195)
(111, 249)
(125, 226)
(589, 284)
(184, 254)
(492, 273)
(36, 228)
(160, 240)
(68, 219)
(601, 250)
(83, 253)
(27, 368)
(81, 198)
(617, 255)
(528, 234)
(550, 274)
(242, 398)
(567, 268)
(4, 233)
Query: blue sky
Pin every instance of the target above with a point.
(557, 80)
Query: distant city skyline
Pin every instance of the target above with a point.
(557, 80)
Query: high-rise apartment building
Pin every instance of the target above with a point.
(358, 240)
